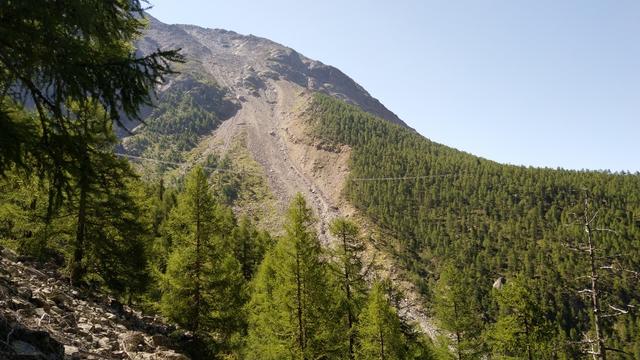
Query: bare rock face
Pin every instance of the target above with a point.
(43, 318)
(244, 64)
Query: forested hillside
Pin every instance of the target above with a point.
(238, 236)
(447, 211)
(191, 108)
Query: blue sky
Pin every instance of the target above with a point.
(542, 83)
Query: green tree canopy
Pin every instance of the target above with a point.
(80, 52)
(290, 309)
(379, 334)
(203, 285)
(458, 312)
(522, 330)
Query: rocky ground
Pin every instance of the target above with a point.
(42, 317)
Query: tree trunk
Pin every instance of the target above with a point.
(600, 351)
(526, 334)
(382, 355)
(77, 269)
(301, 341)
(347, 286)
(198, 264)
(458, 336)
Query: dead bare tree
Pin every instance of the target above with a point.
(597, 264)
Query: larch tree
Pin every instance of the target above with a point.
(522, 330)
(250, 246)
(290, 305)
(348, 262)
(203, 287)
(379, 331)
(458, 312)
(107, 217)
(82, 52)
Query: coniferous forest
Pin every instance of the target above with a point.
(511, 262)
(470, 222)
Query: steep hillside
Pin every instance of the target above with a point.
(239, 105)
(252, 109)
(249, 64)
(441, 206)
(42, 317)
(244, 88)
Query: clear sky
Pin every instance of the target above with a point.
(539, 82)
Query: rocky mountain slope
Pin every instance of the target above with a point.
(252, 92)
(261, 89)
(250, 64)
(42, 317)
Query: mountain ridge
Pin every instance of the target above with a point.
(281, 61)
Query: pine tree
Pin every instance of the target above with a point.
(25, 224)
(100, 201)
(190, 228)
(98, 224)
(379, 333)
(250, 246)
(80, 52)
(290, 304)
(458, 312)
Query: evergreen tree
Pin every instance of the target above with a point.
(522, 330)
(107, 217)
(98, 224)
(80, 52)
(203, 286)
(379, 333)
(25, 223)
(458, 312)
(250, 246)
(348, 261)
(190, 228)
(290, 307)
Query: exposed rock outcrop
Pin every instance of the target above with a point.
(244, 63)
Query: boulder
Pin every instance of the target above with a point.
(161, 340)
(71, 351)
(26, 350)
(32, 343)
(133, 341)
(499, 283)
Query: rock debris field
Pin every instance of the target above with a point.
(42, 317)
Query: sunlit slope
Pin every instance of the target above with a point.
(442, 205)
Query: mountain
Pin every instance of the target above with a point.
(269, 122)
(250, 64)
(235, 88)
(240, 103)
